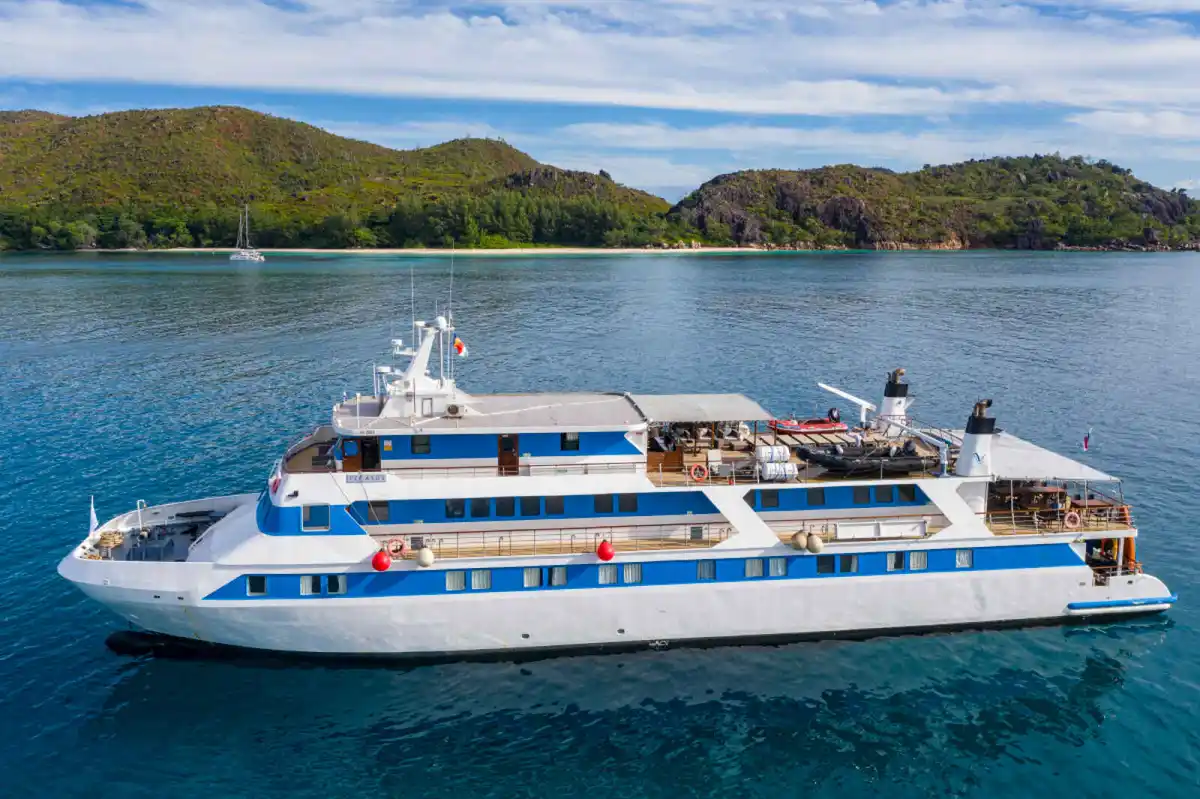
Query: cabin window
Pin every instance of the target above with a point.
(603, 503)
(862, 495)
(256, 585)
(633, 573)
(885, 493)
(456, 508)
(706, 570)
(456, 581)
(908, 493)
(555, 506)
(378, 511)
(777, 567)
(847, 564)
(558, 575)
(481, 579)
(481, 508)
(421, 445)
(627, 503)
(826, 563)
(770, 499)
(531, 506)
(316, 517)
(895, 561)
(569, 442)
(533, 577)
(506, 506)
(816, 497)
(918, 561)
(749, 498)
(964, 558)
(608, 574)
(417, 542)
(696, 533)
(335, 584)
(753, 567)
(310, 585)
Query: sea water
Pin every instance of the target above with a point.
(170, 377)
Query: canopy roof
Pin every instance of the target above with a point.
(1016, 459)
(699, 408)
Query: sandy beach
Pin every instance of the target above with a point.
(509, 252)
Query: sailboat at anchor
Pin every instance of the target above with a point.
(244, 251)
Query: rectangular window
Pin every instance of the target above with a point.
(421, 445)
(895, 561)
(481, 508)
(753, 567)
(777, 567)
(862, 495)
(455, 508)
(456, 581)
(918, 561)
(632, 573)
(826, 563)
(816, 497)
(847, 564)
(378, 511)
(770, 499)
(310, 585)
(316, 517)
(885, 493)
(558, 575)
(531, 506)
(964, 558)
(603, 503)
(533, 577)
(627, 503)
(706, 570)
(908, 493)
(506, 506)
(335, 584)
(608, 574)
(256, 585)
(696, 533)
(481, 579)
(417, 542)
(569, 442)
(555, 506)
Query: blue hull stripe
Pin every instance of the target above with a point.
(430, 582)
(1123, 603)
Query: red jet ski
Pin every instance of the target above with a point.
(830, 424)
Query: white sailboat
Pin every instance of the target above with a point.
(244, 251)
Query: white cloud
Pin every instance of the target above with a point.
(1161, 124)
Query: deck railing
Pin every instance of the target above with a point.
(1045, 522)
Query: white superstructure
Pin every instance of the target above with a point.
(244, 251)
(425, 521)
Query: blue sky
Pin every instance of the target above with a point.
(662, 93)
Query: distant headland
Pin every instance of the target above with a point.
(176, 178)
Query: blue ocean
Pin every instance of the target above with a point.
(174, 376)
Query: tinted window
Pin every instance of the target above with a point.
(862, 495)
(569, 442)
(770, 499)
(825, 564)
(316, 517)
(506, 506)
(816, 496)
(885, 493)
(627, 503)
(555, 506)
(531, 506)
(895, 561)
(256, 585)
(603, 503)
(378, 511)
(749, 498)
(908, 493)
(420, 445)
(481, 508)
(336, 584)
(455, 508)
(847, 563)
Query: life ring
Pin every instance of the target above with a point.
(1072, 520)
(396, 547)
(699, 472)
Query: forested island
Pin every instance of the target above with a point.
(178, 177)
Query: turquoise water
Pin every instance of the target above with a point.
(171, 377)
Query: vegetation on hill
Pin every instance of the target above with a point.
(177, 178)
(1035, 202)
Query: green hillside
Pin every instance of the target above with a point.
(1035, 202)
(181, 174)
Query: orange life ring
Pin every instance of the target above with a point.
(699, 472)
(396, 547)
(1072, 520)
